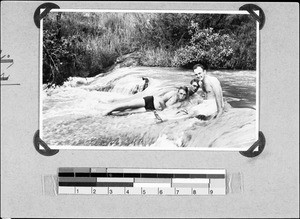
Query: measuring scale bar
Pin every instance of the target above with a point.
(116, 181)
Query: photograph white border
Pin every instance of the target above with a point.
(147, 148)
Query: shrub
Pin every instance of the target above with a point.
(207, 47)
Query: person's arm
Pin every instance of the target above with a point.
(216, 87)
(170, 98)
(170, 118)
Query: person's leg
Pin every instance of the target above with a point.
(133, 104)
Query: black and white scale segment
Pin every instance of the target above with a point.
(135, 181)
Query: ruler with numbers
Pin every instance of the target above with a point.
(130, 181)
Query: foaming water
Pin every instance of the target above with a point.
(72, 113)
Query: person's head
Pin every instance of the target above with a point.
(182, 93)
(199, 71)
(195, 85)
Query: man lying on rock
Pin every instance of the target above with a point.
(152, 102)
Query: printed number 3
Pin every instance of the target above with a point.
(110, 191)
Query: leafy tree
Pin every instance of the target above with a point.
(207, 47)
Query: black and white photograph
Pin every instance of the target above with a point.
(149, 80)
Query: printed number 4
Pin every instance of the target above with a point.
(127, 191)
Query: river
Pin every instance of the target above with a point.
(71, 114)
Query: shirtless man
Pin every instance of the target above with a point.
(212, 105)
(151, 102)
(213, 102)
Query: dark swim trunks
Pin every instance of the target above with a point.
(149, 103)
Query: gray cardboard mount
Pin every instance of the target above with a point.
(270, 181)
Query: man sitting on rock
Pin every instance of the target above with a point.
(212, 105)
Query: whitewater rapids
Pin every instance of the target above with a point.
(72, 113)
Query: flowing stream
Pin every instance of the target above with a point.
(72, 113)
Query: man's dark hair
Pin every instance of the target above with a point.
(185, 88)
(201, 66)
(195, 80)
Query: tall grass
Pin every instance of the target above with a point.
(94, 41)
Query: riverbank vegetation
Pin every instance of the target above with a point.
(87, 44)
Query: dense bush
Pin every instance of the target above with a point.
(86, 44)
(206, 47)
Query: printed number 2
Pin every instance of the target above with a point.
(94, 191)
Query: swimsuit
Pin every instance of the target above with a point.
(149, 103)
